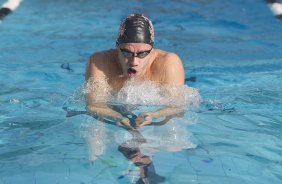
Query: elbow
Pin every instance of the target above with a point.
(91, 109)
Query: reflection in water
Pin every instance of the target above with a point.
(140, 160)
(95, 137)
(139, 146)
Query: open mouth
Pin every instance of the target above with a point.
(131, 72)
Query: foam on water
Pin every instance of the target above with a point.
(136, 92)
(150, 93)
(99, 88)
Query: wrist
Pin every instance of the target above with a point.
(121, 118)
(124, 120)
(151, 114)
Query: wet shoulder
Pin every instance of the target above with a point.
(103, 58)
(164, 58)
(102, 63)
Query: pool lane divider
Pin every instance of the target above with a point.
(8, 7)
(276, 8)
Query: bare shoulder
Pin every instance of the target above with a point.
(168, 59)
(101, 57)
(99, 63)
(171, 68)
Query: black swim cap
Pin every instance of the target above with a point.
(136, 28)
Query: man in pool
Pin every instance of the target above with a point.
(134, 57)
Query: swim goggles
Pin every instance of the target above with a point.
(128, 54)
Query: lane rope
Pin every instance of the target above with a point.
(8, 7)
(276, 8)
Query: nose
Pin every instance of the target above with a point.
(134, 61)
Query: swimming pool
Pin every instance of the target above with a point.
(231, 52)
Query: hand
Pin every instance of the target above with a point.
(125, 123)
(143, 119)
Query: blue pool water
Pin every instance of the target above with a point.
(231, 52)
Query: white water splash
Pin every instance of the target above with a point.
(99, 89)
(150, 93)
(136, 92)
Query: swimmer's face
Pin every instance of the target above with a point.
(133, 58)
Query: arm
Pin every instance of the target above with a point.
(101, 110)
(167, 111)
(173, 76)
(147, 117)
(96, 79)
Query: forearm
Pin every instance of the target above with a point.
(146, 118)
(104, 112)
(108, 113)
(167, 111)
(100, 109)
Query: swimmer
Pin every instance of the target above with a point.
(134, 57)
